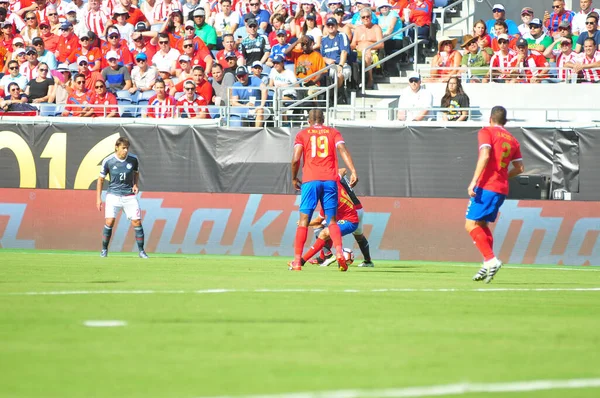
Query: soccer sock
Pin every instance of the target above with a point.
(318, 245)
(363, 244)
(489, 235)
(301, 233)
(336, 237)
(483, 245)
(106, 234)
(327, 249)
(139, 237)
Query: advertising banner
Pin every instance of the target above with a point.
(535, 232)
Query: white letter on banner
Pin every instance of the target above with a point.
(15, 212)
(255, 230)
(219, 217)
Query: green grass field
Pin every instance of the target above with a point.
(272, 331)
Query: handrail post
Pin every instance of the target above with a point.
(416, 49)
(276, 114)
(362, 68)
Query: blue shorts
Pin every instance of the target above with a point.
(314, 191)
(347, 227)
(484, 205)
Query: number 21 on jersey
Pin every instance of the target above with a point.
(319, 146)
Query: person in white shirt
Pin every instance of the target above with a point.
(165, 55)
(415, 101)
(578, 22)
(226, 21)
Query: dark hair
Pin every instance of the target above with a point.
(10, 85)
(501, 23)
(164, 36)
(498, 115)
(316, 116)
(447, 96)
(227, 35)
(122, 140)
(481, 21)
(11, 62)
(78, 75)
(590, 39)
(217, 65)
(171, 24)
(227, 1)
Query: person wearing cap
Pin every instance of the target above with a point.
(366, 35)
(142, 79)
(227, 20)
(161, 105)
(283, 79)
(78, 99)
(591, 32)
(335, 47)
(474, 64)
(13, 76)
(255, 47)
(564, 30)
(332, 6)
(49, 38)
(93, 55)
(207, 33)
(125, 29)
(105, 102)
(31, 28)
(309, 62)
(190, 34)
(501, 28)
(145, 42)
(115, 43)
(261, 16)
(29, 67)
(310, 28)
(221, 81)
(537, 38)
(415, 101)
(357, 17)
(228, 50)
(525, 60)
(281, 48)
(135, 14)
(447, 61)
(526, 17)
(391, 24)
(578, 24)
(560, 53)
(499, 14)
(91, 76)
(67, 44)
(587, 62)
(501, 60)
(97, 18)
(117, 77)
(182, 69)
(257, 71)
(231, 63)
(552, 20)
(248, 98)
(192, 105)
(44, 55)
(342, 25)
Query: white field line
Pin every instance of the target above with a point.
(441, 390)
(104, 324)
(222, 291)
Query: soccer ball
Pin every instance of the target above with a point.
(348, 255)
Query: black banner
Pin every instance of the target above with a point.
(396, 162)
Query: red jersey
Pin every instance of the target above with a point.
(319, 145)
(107, 99)
(504, 149)
(192, 108)
(534, 60)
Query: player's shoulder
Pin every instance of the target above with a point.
(132, 158)
(109, 158)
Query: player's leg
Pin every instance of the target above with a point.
(362, 241)
(329, 202)
(317, 246)
(131, 207)
(308, 203)
(111, 208)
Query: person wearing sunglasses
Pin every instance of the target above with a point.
(91, 76)
(67, 44)
(78, 99)
(198, 56)
(591, 24)
(415, 101)
(165, 54)
(29, 67)
(560, 57)
(559, 14)
(588, 62)
(51, 18)
(50, 39)
(42, 88)
(578, 23)
(366, 35)
(501, 61)
(357, 17)
(13, 76)
(191, 105)
(13, 96)
(31, 28)
(114, 42)
(537, 39)
(499, 14)
(261, 16)
(121, 16)
(105, 102)
(145, 43)
(143, 78)
(92, 55)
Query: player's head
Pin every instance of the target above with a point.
(122, 142)
(315, 116)
(498, 116)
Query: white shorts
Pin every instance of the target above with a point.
(129, 204)
(359, 230)
(346, 72)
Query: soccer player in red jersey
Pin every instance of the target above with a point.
(316, 146)
(489, 187)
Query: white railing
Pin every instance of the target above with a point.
(518, 74)
(466, 16)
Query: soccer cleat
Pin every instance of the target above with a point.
(104, 253)
(480, 275)
(342, 263)
(293, 266)
(366, 264)
(143, 254)
(493, 271)
(328, 261)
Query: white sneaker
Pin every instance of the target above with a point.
(366, 264)
(328, 261)
(493, 271)
(481, 274)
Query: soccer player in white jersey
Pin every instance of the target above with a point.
(123, 168)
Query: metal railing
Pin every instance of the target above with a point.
(468, 17)
(508, 73)
(414, 44)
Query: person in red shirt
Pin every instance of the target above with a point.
(92, 54)
(135, 14)
(50, 39)
(144, 41)
(524, 61)
(316, 146)
(228, 48)
(199, 56)
(67, 44)
(102, 97)
(160, 105)
(489, 187)
(78, 99)
(115, 43)
(91, 76)
(203, 87)
(191, 105)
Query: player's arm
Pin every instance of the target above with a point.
(349, 163)
(136, 178)
(482, 161)
(316, 222)
(296, 166)
(518, 168)
(99, 185)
